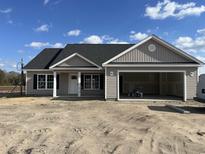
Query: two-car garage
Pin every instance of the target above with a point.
(135, 85)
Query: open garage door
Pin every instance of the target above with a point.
(151, 85)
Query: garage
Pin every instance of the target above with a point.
(151, 85)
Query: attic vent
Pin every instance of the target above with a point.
(152, 48)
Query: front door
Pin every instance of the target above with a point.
(73, 84)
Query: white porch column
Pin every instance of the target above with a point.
(185, 87)
(79, 84)
(54, 84)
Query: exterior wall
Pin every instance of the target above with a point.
(142, 54)
(201, 85)
(29, 85)
(63, 84)
(112, 84)
(77, 62)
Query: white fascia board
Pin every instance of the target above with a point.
(152, 65)
(71, 56)
(182, 53)
(127, 50)
(75, 69)
(36, 70)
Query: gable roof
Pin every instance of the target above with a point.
(154, 37)
(97, 53)
(73, 55)
(43, 59)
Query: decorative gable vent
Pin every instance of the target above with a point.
(152, 48)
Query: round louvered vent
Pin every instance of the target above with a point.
(152, 48)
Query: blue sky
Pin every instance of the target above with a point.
(28, 26)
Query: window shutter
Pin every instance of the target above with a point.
(57, 78)
(102, 81)
(82, 81)
(35, 81)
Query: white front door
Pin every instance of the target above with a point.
(73, 84)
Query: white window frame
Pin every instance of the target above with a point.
(91, 82)
(46, 88)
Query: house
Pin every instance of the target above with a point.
(151, 68)
(201, 87)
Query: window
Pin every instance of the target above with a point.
(41, 81)
(49, 81)
(87, 81)
(96, 82)
(45, 81)
(92, 81)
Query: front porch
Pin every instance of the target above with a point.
(78, 84)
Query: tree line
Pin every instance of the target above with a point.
(10, 78)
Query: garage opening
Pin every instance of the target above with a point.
(151, 85)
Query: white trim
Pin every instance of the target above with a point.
(159, 40)
(151, 65)
(91, 75)
(105, 82)
(185, 87)
(79, 84)
(178, 71)
(37, 70)
(46, 76)
(76, 69)
(127, 50)
(54, 84)
(71, 56)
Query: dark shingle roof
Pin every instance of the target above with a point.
(97, 53)
(43, 59)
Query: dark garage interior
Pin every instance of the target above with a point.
(151, 85)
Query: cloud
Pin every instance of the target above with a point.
(201, 31)
(46, 2)
(57, 45)
(75, 32)
(168, 8)
(39, 45)
(10, 22)
(201, 58)
(137, 36)
(6, 11)
(117, 41)
(96, 39)
(42, 28)
(191, 44)
(93, 39)
(2, 65)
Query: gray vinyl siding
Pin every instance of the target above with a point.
(76, 61)
(112, 84)
(142, 54)
(63, 85)
(29, 85)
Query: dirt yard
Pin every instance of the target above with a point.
(40, 125)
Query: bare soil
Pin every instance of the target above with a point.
(41, 125)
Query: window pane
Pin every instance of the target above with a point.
(96, 82)
(87, 81)
(49, 81)
(41, 81)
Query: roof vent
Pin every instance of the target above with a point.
(152, 48)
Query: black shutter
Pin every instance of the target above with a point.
(82, 81)
(57, 78)
(102, 81)
(35, 81)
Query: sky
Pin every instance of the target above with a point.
(28, 26)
